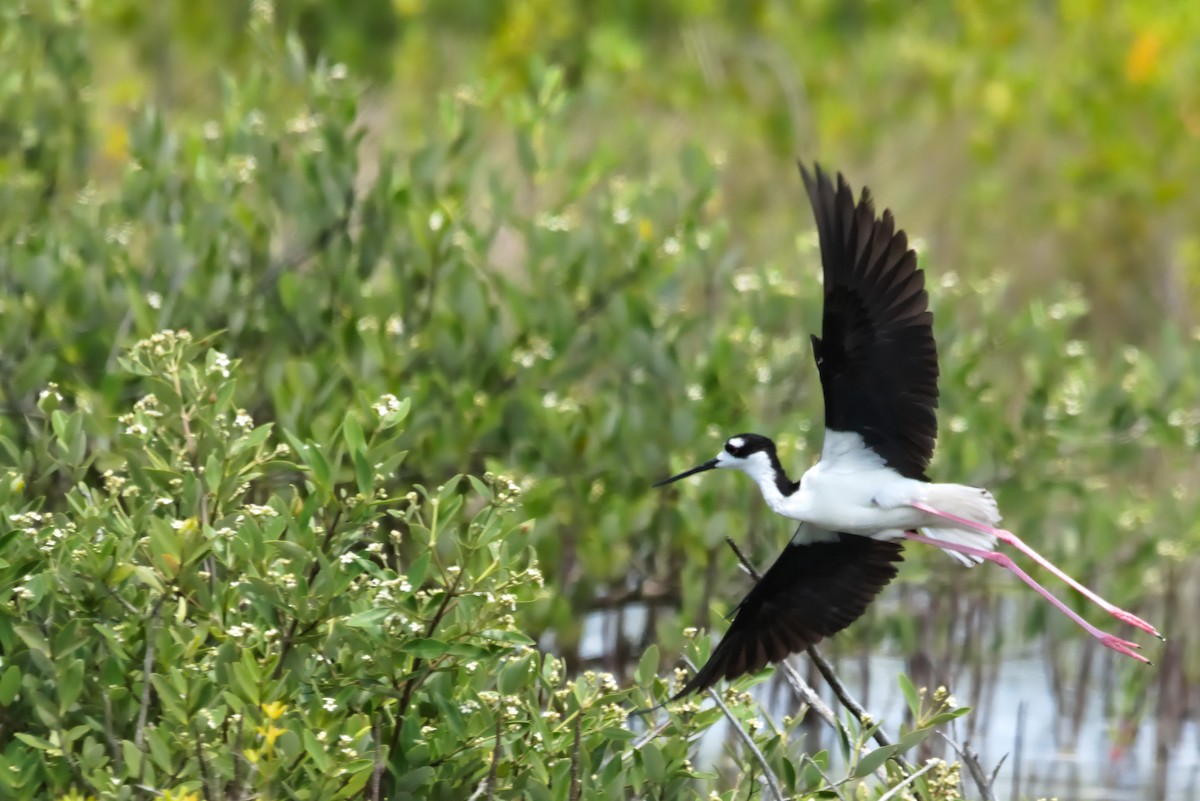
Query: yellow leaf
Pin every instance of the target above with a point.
(1142, 60)
(274, 709)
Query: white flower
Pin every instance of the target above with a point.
(347, 558)
(329, 705)
(154, 300)
(220, 364)
(243, 420)
(387, 404)
(51, 390)
(436, 220)
(257, 510)
(695, 392)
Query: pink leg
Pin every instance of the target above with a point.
(1115, 643)
(1016, 542)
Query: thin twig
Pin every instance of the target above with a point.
(909, 779)
(488, 785)
(139, 735)
(651, 734)
(109, 734)
(377, 771)
(206, 777)
(746, 739)
(971, 760)
(235, 787)
(573, 793)
(843, 695)
(809, 696)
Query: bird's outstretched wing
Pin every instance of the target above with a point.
(812, 591)
(876, 353)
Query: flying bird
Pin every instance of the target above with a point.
(869, 492)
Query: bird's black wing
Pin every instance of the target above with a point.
(812, 591)
(876, 353)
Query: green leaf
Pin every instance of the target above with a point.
(212, 473)
(251, 439)
(364, 474)
(515, 675)
(315, 751)
(368, 619)
(70, 684)
(34, 639)
(653, 763)
(480, 488)
(946, 717)
(352, 432)
(913, 739)
(36, 742)
(647, 668)
(910, 696)
(10, 684)
(425, 648)
(872, 761)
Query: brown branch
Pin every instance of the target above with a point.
(971, 760)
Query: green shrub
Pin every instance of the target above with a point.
(568, 290)
(224, 610)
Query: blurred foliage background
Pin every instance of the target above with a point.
(573, 234)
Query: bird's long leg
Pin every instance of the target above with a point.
(1115, 643)
(1015, 541)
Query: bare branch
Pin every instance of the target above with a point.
(907, 781)
(746, 739)
(971, 760)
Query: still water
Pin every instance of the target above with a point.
(1020, 725)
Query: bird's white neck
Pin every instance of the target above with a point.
(768, 477)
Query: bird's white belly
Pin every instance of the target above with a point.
(868, 502)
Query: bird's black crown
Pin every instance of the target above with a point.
(743, 445)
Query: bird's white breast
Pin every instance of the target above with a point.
(851, 489)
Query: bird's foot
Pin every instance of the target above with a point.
(1134, 620)
(1123, 647)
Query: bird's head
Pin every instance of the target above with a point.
(751, 453)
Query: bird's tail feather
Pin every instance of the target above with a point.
(974, 504)
(958, 536)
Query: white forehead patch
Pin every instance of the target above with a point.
(737, 442)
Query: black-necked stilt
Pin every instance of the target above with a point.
(877, 361)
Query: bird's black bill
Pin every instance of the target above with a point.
(709, 465)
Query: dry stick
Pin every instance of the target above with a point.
(139, 735)
(826, 669)
(907, 781)
(377, 771)
(488, 785)
(971, 760)
(576, 788)
(745, 737)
